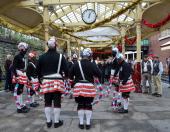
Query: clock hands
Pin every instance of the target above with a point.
(89, 15)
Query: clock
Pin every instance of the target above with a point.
(89, 16)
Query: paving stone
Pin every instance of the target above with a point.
(146, 114)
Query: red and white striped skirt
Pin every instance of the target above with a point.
(21, 78)
(128, 87)
(49, 86)
(33, 84)
(84, 89)
(114, 80)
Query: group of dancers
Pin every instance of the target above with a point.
(47, 74)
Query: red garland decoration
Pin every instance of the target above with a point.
(156, 25)
(130, 41)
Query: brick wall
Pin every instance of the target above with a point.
(9, 47)
(156, 49)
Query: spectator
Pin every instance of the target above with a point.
(146, 69)
(157, 72)
(8, 82)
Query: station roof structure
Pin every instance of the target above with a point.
(28, 15)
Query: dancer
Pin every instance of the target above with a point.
(126, 83)
(84, 90)
(19, 68)
(50, 68)
(115, 67)
(114, 80)
(33, 83)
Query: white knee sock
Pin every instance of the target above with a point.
(126, 103)
(21, 100)
(81, 116)
(57, 114)
(88, 114)
(18, 102)
(48, 113)
(32, 98)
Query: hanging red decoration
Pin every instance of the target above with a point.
(130, 41)
(156, 25)
(119, 46)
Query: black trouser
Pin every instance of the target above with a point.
(84, 102)
(20, 89)
(126, 95)
(32, 92)
(8, 81)
(55, 97)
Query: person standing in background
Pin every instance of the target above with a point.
(147, 70)
(157, 72)
(8, 78)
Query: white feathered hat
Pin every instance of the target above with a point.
(22, 46)
(52, 42)
(87, 52)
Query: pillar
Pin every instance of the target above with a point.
(138, 41)
(138, 32)
(46, 19)
(137, 68)
(68, 49)
(123, 33)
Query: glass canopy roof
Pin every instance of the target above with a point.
(72, 14)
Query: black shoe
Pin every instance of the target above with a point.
(81, 126)
(22, 111)
(25, 108)
(88, 127)
(122, 111)
(154, 94)
(158, 95)
(35, 104)
(56, 125)
(49, 124)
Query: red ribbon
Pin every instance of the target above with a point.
(130, 41)
(158, 24)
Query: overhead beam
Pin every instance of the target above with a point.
(53, 2)
(83, 24)
(117, 8)
(72, 2)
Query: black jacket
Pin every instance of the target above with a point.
(125, 72)
(90, 70)
(31, 70)
(48, 64)
(18, 63)
(7, 65)
(115, 66)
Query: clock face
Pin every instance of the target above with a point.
(89, 16)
